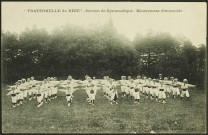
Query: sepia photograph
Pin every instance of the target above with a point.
(104, 67)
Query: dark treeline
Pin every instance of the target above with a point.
(99, 51)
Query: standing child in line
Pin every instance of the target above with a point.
(184, 88)
(18, 92)
(175, 89)
(111, 85)
(105, 86)
(45, 90)
(137, 92)
(114, 95)
(132, 88)
(144, 85)
(24, 89)
(69, 90)
(69, 96)
(56, 88)
(13, 96)
(21, 92)
(154, 92)
(53, 88)
(34, 83)
(29, 88)
(40, 93)
(162, 95)
(88, 85)
(123, 87)
(50, 87)
(92, 94)
(148, 88)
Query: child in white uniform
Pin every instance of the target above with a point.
(175, 88)
(13, 96)
(155, 91)
(123, 86)
(161, 93)
(137, 92)
(24, 89)
(131, 88)
(184, 88)
(148, 88)
(144, 85)
(45, 90)
(114, 95)
(40, 93)
(21, 92)
(92, 94)
(29, 87)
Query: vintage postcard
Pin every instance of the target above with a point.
(104, 67)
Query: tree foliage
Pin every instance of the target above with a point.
(99, 51)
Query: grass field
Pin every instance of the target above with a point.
(175, 116)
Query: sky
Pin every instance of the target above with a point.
(189, 22)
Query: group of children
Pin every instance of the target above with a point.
(157, 89)
(110, 89)
(47, 89)
(33, 89)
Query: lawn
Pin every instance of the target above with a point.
(175, 116)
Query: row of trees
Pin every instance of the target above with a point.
(99, 51)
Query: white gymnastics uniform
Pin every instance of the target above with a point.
(148, 88)
(33, 84)
(88, 86)
(144, 87)
(69, 96)
(46, 90)
(95, 82)
(24, 90)
(123, 85)
(161, 94)
(127, 87)
(137, 93)
(131, 89)
(13, 96)
(111, 86)
(108, 88)
(50, 89)
(29, 87)
(175, 89)
(167, 87)
(155, 91)
(39, 93)
(105, 86)
(92, 93)
(114, 95)
(185, 91)
(20, 95)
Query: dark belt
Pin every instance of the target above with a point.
(13, 95)
(127, 86)
(68, 95)
(149, 87)
(38, 94)
(131, 87)
(175, 86)
(154, 87)
(161, 89)
(184, 89)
